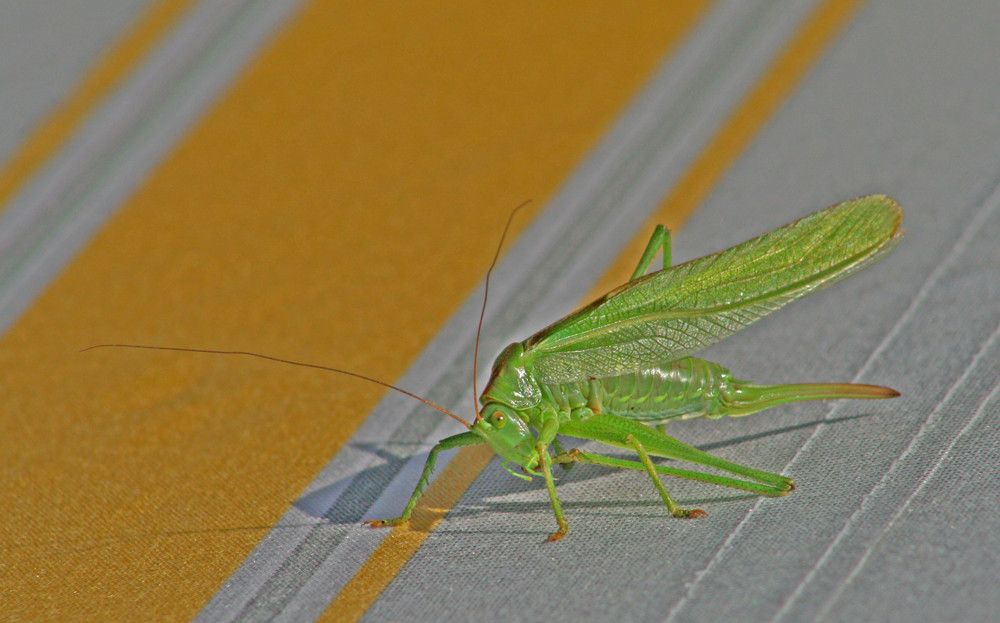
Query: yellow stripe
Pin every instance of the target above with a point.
(106, 74)
(744, 124)
(335, 206)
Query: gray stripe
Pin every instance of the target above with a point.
(129, 133)
(301, 565)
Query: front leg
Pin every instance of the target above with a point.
(546, 463)
(461, 439)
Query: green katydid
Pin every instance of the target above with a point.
(618, 369)
(613, 369)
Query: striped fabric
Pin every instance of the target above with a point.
(325, 181)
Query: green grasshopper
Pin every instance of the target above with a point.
(616, 368)
(622, 365)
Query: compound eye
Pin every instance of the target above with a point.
(498, 420)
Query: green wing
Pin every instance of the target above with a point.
(680, 310)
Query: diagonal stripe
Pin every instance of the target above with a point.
(106, 158)
(106, 75)
(734, 136)
(976, 418)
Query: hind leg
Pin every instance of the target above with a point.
(659, 240)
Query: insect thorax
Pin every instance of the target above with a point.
(510, 382)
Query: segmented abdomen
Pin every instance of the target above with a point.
(686, 388)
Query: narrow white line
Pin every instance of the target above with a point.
(977, 222)
(699, 576)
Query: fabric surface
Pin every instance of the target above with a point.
(325, 181)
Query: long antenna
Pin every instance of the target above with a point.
(289, 361)
(482, 313)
